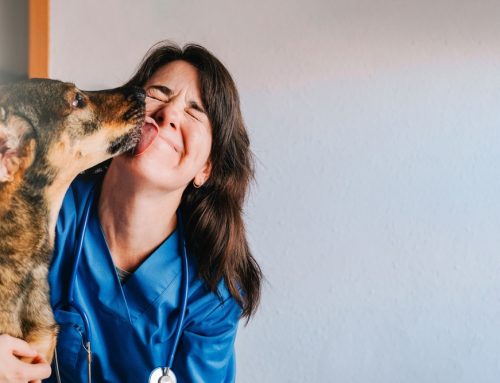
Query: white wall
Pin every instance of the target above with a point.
(13, 40)
(376, 211)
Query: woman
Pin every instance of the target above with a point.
(185, 183)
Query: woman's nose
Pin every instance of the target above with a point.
(168, 115)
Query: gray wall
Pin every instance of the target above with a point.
(376, 210)
(13, 40)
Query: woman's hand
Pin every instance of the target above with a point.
(13, 370)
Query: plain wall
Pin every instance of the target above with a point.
(13, 40)
(376, 210)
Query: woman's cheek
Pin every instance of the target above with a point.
(202, 139)
(198, 148)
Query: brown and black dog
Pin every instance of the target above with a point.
(49, 132)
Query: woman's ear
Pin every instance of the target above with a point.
(203, 175)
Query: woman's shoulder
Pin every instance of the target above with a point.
(207, 307)
(79, 190)
(81, 186)
(75, 200)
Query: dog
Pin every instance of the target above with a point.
(50, 131)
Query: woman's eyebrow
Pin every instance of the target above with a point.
(165, 90)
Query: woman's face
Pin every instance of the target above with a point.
(180, 152)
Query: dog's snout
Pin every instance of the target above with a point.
(137, 98)
(134, 94)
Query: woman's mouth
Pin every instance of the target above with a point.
(169, 142)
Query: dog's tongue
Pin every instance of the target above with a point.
(149, 131)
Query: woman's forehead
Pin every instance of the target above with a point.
(176, 75)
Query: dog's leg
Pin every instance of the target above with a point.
(9, 321)
(40, 328)
(11, 299)
(44, 341)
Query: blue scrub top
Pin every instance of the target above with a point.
(133, 325)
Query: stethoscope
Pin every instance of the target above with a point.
(159, 374)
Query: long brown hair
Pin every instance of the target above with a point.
(215, 231)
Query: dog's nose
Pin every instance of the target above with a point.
(134, 94)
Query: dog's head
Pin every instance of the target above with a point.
(58, 129)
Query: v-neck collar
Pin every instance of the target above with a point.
(144, 287)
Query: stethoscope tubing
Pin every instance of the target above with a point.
(185, 289)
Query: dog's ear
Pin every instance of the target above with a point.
(12, 138)
(9, 159)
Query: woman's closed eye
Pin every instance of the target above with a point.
(154, 98)
(196, 111)
(193, 115)
(159, 93)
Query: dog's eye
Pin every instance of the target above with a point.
(78, 101)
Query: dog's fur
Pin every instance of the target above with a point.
(49, 132)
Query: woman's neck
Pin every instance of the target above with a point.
(135, 219)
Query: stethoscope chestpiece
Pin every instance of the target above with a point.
(162, 375)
